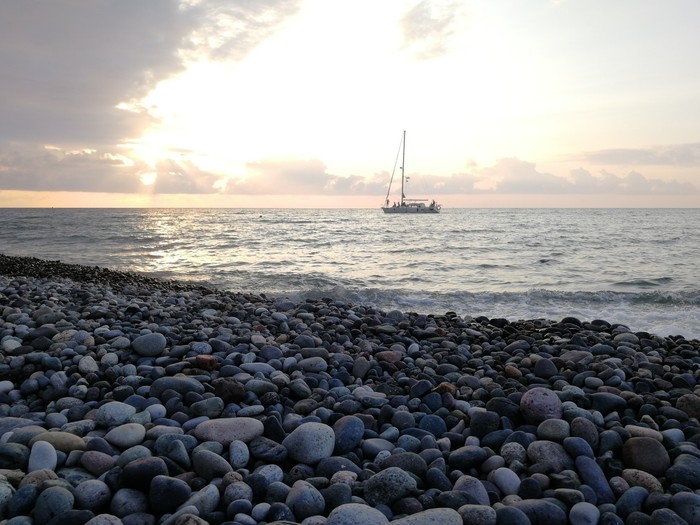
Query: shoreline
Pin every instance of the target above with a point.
(117, 388)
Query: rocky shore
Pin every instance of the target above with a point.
(126, 399)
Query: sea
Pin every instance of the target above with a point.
(637, 267)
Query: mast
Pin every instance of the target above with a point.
(403, 163)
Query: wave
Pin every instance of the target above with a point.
(645, 283)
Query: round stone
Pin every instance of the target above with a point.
(310, 443)
(149, 345)
(349, 431)
(92, 494)
(114, 413)
(356, 514)
(226, 430)
(388, 486)
(126, 435)
(539, 404)
(42, 456)
(646, 454)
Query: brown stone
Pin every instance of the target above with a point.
(646, 454)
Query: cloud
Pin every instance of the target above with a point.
(299, 177)
(520, 177)
(230, 30)
(73, 72)
(428, 26)
(56, 170)
(183, 177)
(682, 155)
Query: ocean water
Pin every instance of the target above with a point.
(638, 267)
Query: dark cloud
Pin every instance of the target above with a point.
(682, 155)
(66, 66)
(53, 170)
(427, 27)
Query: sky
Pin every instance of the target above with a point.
(303, 103)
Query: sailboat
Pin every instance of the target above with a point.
(407, 205)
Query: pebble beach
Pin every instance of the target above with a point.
(130, 400)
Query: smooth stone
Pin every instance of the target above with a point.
(52, 502)
(542, 511)
(685, 471)
(149, 345)
(204, 500)
(666, 517)
(61, 441)
(593, 476)
(210, 465)
(474, 488)
(506, 480)
(114, 413)
(166, 494)
(96, 462)
(356, 514)
(433, 424)
(180, 384)
(373, 446)
(553, 430)
(128, 501)
(238, 491)
(584, 513)
(539, 404)
(42, 456)
(137, 474)
(408, 461)
(104, 519)
(511, 516)
(349, 431)
(239, 455)
(388, 486)
(211, 407)
(687, 506)
(477, 515)
(646, 454)
(576, 446)
(310, 443)
(631, 501)
(639, 478)
(17, 502)
(466, 457)
(304, 500)
(93, 494)
(226, 430)
(551, 454)
(126, 435)
(438, 517)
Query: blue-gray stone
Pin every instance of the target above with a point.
(576, 446)
(93, 495)
(631, 501)
(685, 471)
(687, 506)
(348, 434)
(593, 476)
(149, 345)
(166, 494)
(52, 502)
(541, 512)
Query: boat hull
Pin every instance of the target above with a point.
(423, 210)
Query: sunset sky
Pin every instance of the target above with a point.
(301, 103)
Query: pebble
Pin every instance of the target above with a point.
(161, 403)
(310, 442)
(42, 456)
